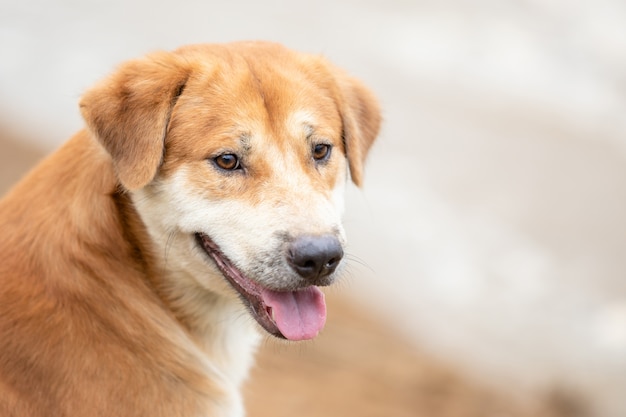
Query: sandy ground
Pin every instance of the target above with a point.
(490, 234)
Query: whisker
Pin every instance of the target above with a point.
(355, 259)
(168, 245)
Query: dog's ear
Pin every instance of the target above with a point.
(129, 111)
(361, 118)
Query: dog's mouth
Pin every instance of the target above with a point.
(292, 315)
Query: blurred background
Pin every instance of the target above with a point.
(488, 245)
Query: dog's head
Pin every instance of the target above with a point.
(236, 157)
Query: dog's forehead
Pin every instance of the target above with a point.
(260, 99)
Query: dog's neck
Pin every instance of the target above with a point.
(215, 323)
(218, 325)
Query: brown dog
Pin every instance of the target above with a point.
(209, 182)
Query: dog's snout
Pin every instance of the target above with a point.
(315, 257)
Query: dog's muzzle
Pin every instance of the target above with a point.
(294, 314)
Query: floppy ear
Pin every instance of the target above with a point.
(129, 111)
(361, 118)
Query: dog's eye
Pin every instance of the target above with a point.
(227, 161)
(321, 151)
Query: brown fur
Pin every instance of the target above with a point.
(86, 324)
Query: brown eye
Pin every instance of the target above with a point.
(321, 151)
(227, 161)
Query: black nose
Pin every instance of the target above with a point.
(315, 257)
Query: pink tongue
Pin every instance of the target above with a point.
(299, 315)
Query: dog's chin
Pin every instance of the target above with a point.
(292, 315)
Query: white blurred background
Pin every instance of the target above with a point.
(492, 226)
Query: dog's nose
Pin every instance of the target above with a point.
(315, 257)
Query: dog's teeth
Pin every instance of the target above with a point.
(270, 312)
